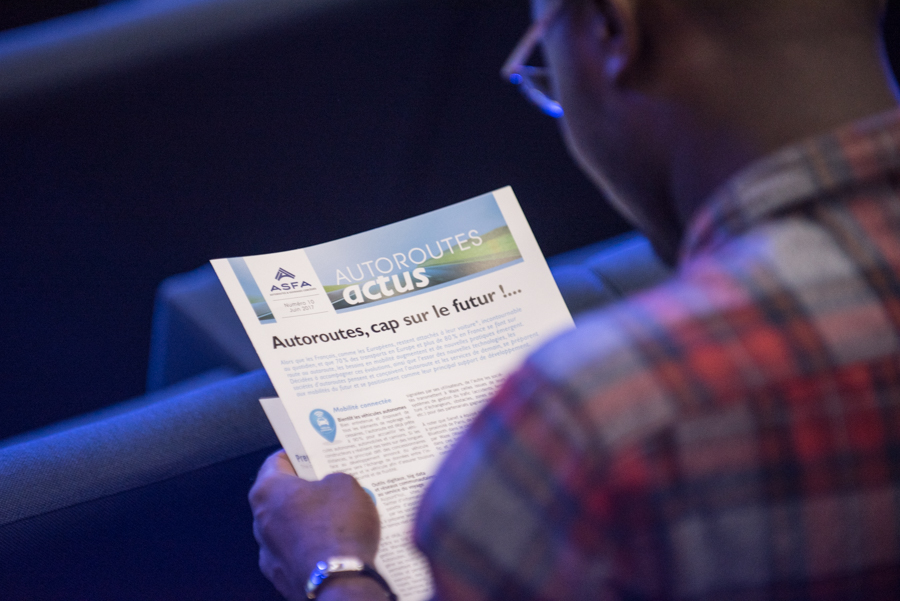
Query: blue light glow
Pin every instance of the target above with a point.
(553, 109)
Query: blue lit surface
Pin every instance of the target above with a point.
(554, 109)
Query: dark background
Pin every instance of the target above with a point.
(294, 136)
(307, 132)
(301, 134)
(14, 13)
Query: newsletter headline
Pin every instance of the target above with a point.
(391, 325)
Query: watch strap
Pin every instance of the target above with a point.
(335, 567)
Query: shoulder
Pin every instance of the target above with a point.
(536, 476)
(785, 300)
(705, 336)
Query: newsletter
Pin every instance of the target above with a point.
(383, 346)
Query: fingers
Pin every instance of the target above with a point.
(277, 467)
(274, 571)
(277, 463)
(340, 481)
(266, 563)
(257, 534)
(283, 464)
(297, 522)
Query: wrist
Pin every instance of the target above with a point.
(348, 571)
(352, 588)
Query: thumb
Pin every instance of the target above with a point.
(277, 464)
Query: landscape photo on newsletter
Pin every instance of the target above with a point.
(458, 242)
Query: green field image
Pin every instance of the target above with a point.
(497, 248)
(497, 244)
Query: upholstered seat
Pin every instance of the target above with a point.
(145, 137)
(67, 484)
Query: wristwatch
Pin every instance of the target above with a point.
(335, 567)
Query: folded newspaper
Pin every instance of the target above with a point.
(383, 346)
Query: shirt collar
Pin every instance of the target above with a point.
(827, 166)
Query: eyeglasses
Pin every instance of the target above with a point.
(534, 82)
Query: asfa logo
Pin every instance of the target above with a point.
(288, 286)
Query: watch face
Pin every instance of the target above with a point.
(345, 564)
(341, 565)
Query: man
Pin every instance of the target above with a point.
(733, 433)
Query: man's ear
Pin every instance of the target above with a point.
(615, 26)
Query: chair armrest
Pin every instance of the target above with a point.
(212, 424)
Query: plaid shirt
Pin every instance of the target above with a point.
(731, 434)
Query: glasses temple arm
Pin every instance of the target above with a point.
(526, 45)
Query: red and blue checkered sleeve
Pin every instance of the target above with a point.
(520, 509)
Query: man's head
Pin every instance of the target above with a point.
(664, 99)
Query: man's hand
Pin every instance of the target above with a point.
(298, 523)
